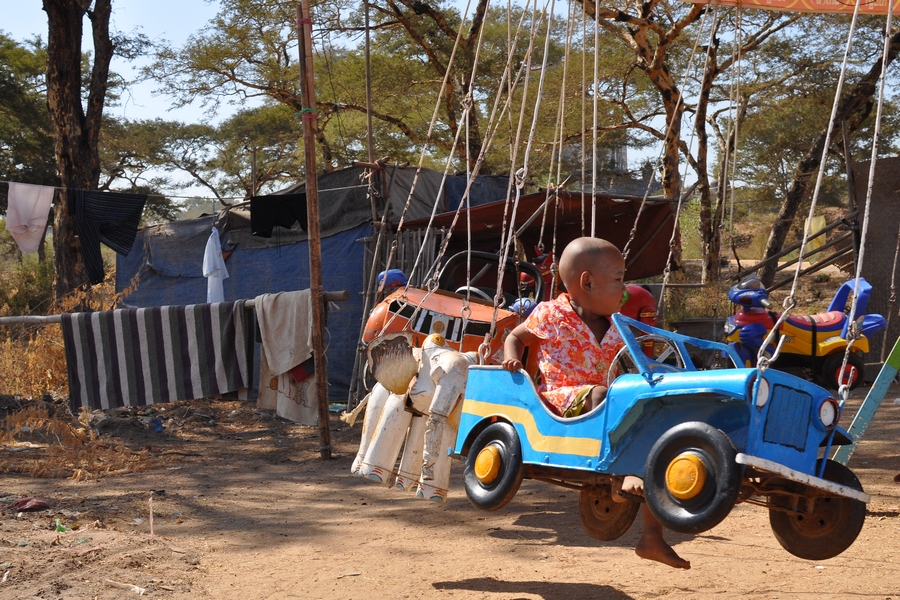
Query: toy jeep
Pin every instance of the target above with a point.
(702, 437)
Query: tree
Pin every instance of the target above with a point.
(855, 106)
(249, 52)
(26, 141)
(76, 128)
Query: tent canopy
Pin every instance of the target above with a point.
(564, 218)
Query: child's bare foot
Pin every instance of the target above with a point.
(633, 485)
(660, 551)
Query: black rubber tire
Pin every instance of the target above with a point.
(720, 490)
(602, 517)
(834, 525)
(496, 494)
(831, 367)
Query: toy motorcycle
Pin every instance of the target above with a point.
(814, 343)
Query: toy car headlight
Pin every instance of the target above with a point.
(762, 392)
(729, 327)
(829, 413)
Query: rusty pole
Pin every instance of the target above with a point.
(310, 126)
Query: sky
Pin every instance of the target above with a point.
(172, 20)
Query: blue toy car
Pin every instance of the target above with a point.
(701, 432)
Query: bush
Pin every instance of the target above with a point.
(26, 287)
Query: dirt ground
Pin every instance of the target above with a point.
(243, 507)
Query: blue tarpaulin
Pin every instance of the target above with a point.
(173, 277)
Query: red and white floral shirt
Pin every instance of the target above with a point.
(571, 360)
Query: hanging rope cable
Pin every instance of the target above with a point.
(853, 332)
(892, 299)
(790, 302)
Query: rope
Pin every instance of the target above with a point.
(790, 302)
(853, 332)
(594, 134)
(672, 243)
(893, 297)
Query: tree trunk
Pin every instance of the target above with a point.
(76, 132)
(853, 108)
(710, 233)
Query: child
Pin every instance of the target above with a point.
(574, 364)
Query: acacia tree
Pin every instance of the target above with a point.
(249, 52)
(76, 126)
(26, 142)
(853, 109)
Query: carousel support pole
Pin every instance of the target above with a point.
(310, 126)
(870, 404)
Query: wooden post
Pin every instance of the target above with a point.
(310, 126)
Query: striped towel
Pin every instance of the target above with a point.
(135, 357)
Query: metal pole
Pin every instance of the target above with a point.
(369, 148)
(253, 171)
(310, 125)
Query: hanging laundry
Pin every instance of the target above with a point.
(109, 217)
(214, 268)
(26, 216)
(278, 209)
(140, 356)
(285, 327)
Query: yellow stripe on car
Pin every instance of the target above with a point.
(556, 444)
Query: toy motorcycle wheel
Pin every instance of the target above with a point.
(494, 469)
(691, 479)
(830, 528)
(853, 374)
(602, 517)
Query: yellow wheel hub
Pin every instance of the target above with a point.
(685, 476)
(487, 464)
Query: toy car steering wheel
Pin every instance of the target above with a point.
(623, 363)
(474, 291)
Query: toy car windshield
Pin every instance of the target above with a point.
(653, 351)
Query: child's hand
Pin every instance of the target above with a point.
(512, 364)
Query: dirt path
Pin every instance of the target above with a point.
(244, 508)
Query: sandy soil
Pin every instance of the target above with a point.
(243, 507)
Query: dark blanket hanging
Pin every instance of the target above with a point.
(109, 217)
(278, 209)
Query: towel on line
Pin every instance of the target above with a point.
(135, 357)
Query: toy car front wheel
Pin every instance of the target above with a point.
(829, 529)
(853, 374)
(494, 469)
(601, 516)
(691, 479)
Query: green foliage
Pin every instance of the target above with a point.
(26, 287)
(26, 140)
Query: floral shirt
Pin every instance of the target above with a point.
(571, 360)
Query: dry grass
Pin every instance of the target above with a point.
(46, 441)
(43, 439)
(33, 362)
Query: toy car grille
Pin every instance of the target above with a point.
(787, 422)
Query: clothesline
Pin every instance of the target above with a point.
(241, 199)
(339, 296)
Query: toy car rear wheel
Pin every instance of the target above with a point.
(601, 516)
(853, 374)
(831, 528)
(494, 469)
(691, 479)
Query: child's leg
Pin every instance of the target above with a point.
(595, 398)
(628, 484)
(653, 546)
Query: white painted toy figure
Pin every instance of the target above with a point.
(424, 427)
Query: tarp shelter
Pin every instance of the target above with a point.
(568, 218)
(168, 257)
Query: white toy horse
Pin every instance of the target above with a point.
(414, 406)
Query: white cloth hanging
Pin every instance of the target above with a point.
(26, 216)
(285, 321)
(214, 269)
